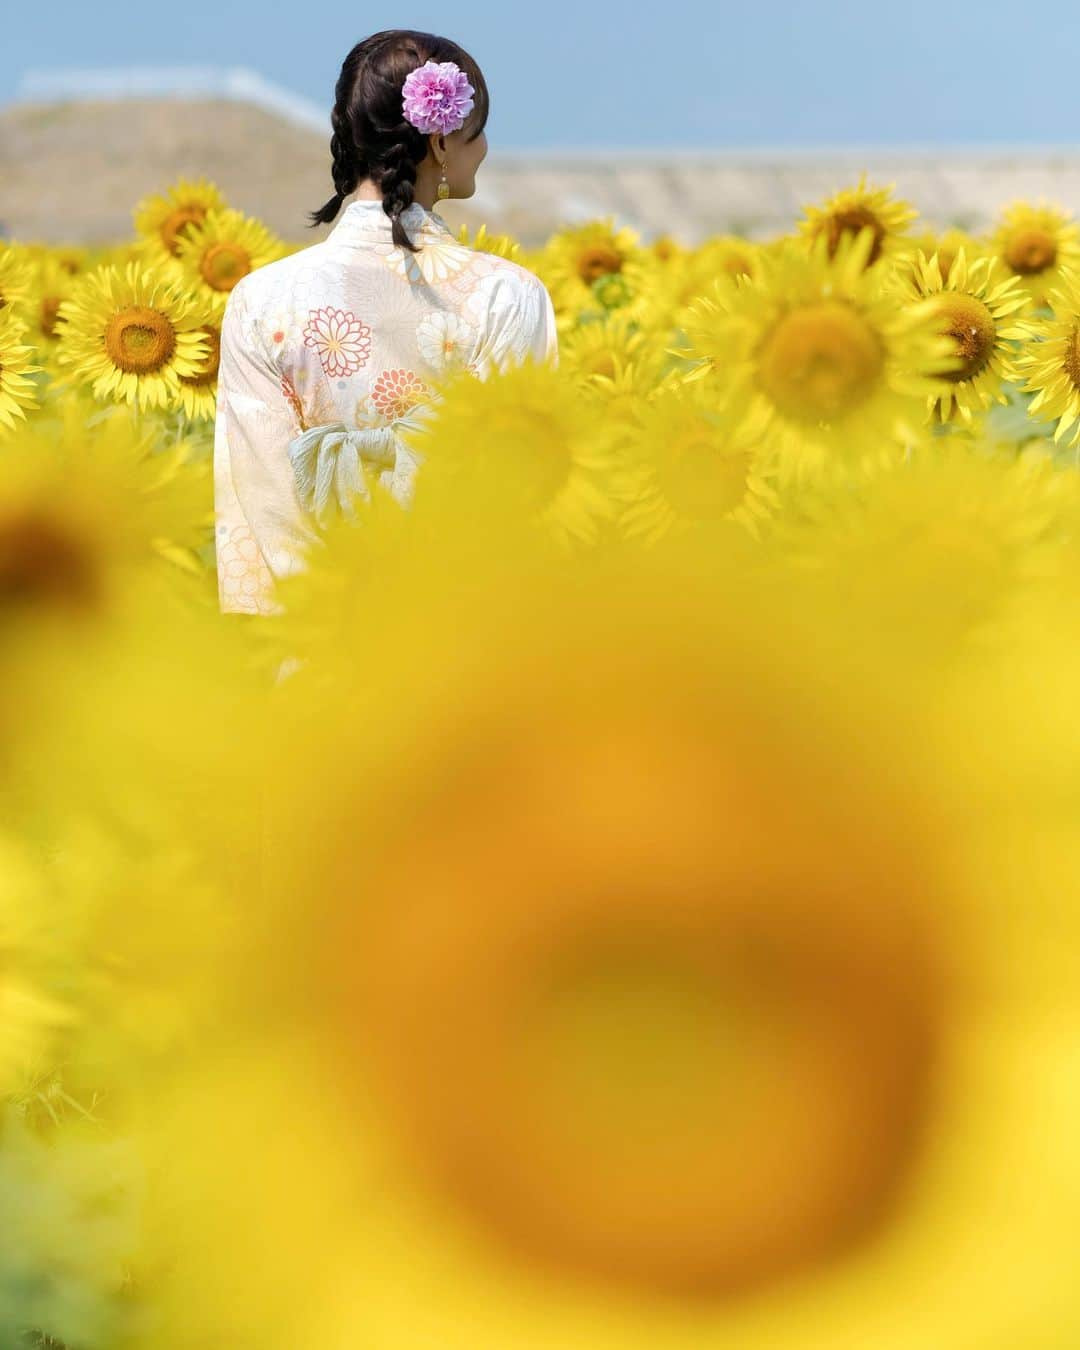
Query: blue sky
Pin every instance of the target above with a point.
(690, 73)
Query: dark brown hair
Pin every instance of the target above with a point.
(371, 137)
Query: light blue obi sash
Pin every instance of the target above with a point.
(332, 463)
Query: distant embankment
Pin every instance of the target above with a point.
(77, 150)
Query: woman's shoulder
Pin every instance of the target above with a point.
(503, 280)
(270, 281)
(513, 273)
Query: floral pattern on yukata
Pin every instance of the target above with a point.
(244, 580)
(342, 341)
(396, 391)
(445, 340)
(437, 261)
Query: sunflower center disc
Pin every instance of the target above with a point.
(1071, 362)
(971, 326)
(598, 261)
(601, 363)
(39, 562)
(738, 265)
(177, 224)
(139, 339)
(1031, 251)
(50, 306)
(632, 1053)
(820, 362)
(538, 472)
(223, 265)
(702, 477)
(851, 221)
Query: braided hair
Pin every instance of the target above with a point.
(371, 138)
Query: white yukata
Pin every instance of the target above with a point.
(322, 352)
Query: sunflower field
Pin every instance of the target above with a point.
(624, 900)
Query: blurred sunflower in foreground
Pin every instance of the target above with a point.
(522, 438)
(947, 546)
(602, 347)
(89, 499)
(29, 1014)
(629, 1001)
(686, 468)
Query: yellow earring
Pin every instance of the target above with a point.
(443, 190)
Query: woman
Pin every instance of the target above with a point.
(326, 351)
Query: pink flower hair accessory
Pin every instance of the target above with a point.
(437, 96)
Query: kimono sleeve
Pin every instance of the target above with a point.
(519, 322)
(261, 529)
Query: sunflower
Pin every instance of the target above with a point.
(53, 283)
(227, 245)
(576, 258)
(503, 245)
(622, 395)
(666, 247)
(942, 545)
(686, 468)
(685, 279)
(524, 436)
(726, 254)
(133, 335)
(823, 363)
(1035, 243)
(946, 245)
(16, 279)
(977, 303)
(1050, 367)
(668, 1019)
(161, 222)
(87, 500)
(600, 346)
(16, 388)
(198, 392)
(70, 258)
(858, 208)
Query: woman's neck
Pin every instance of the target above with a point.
(366, 191)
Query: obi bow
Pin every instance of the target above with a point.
(331, 463)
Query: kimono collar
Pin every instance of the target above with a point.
(367, 218)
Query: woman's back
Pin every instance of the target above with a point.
(353, 330)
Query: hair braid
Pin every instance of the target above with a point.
(396, 177)
(347, 166)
